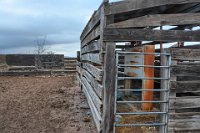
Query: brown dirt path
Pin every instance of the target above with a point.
(43, 105)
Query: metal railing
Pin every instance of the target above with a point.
(165, 102)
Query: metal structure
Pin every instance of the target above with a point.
(165, 101)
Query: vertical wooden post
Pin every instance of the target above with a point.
(164, 85)
(172, 94)
(109, 88)
(78, 53)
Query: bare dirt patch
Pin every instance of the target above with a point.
(43, 105)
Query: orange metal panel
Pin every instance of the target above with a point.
(148, 73)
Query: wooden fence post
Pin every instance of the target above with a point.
(109, 88)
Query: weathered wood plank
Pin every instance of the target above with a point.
(92, 57)
(185, 70)
(164, 84)
(94, 20)
(109, 88)
(91, 47)
(188, 78)
(97, 102)
(185, 86)
(185, 125)
(133, 5)
(94, 34)
(184, 116)
(94, 71)
(159, 20)
(124, 35)
(96, 116)
(98, 88)
(184, 102)
(78, 63)
(78, 69)
(185, 54)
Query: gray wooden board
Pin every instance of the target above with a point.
(94, 20)
(109, 88)
(185, 54)
(185, 86)
(91, 47)
(92, 57)
(124, 35)
(185, 70)
(184, 116)
(98, 88)
(78, 69)
(94, 71)
(96, 116)
(94, 34)
(185, 125)
(133, 5)
(159, 20)
(184, 102)
(97, 102)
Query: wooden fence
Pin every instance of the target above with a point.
(127, 21)
(185, 91)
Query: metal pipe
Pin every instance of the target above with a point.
(142, 101)
(134, 125)
(142, 53)
(141, 113)
(149, 66)
(123, 78)
(116, 86)
(138, 90)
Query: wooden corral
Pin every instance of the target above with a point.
(185, 91)
(140, 22)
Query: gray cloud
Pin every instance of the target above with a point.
(23, 21)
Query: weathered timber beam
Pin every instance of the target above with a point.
(132, 5)
(92, 57)
(91, 47)
(96, 72)
(124, 35)
(94, 20)
(94, 34)
(185, 70)
(96, 116)
(109, 88)
(185, 102)
(185, 54)
(96, 100)
(159, 20)
(185, 86)
(98, 88)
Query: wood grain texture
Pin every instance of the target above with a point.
(94, 46)
(124, 35)
(158, 20)
(185, 86)
(98, 88)
(94, 34)
(185, 70)
(185, 54)
(91, 57)
(94, 71)
(109, 88)
(133, 5)
(96, 116)
(94, 20)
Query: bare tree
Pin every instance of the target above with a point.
(40, 49)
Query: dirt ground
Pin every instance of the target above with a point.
(43, 105)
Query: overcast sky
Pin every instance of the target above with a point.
(61, 21)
